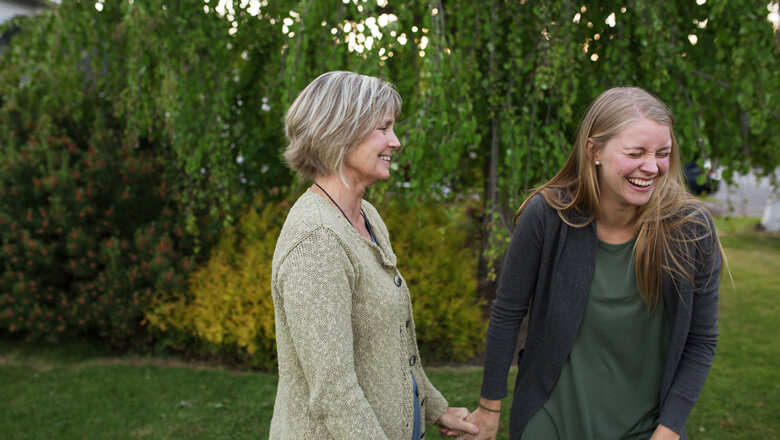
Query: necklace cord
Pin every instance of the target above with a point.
(337, 205)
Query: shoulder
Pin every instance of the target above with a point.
(310, 224)
(538, 213)
(533, 222)
(556, 203)
(694, 236)
(537, 206)
(694, 220)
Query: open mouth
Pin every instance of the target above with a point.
(387, 159)
(640, 183)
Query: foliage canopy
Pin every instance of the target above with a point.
(493, 92)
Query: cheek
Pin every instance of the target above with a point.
(625, 167)
(663, 165)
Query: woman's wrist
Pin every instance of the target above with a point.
(489, 409)
(663, 433)
(491, 406)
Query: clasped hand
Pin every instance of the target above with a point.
(454, 423)
(486, 423)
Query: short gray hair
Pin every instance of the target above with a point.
(331, 116)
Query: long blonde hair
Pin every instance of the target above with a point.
(663, 225)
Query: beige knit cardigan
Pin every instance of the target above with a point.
(344, 331)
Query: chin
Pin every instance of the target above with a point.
(637, 198)
(639, 202)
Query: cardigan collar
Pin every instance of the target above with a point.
(382, 248)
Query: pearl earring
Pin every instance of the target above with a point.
(598, 163)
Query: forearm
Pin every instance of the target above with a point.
(499, 352)
(435, 404)
(516, 288)
(486, 417)
(664, 433)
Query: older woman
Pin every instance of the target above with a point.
(620, 266)
(349, 366)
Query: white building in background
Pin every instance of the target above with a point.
(11, 8)
(19, 8)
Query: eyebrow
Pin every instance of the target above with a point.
(639, 147)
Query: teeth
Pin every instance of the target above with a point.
(385, 158)
(639, 182)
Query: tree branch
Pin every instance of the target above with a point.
(723, 84)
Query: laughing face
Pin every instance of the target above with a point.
(369, 162)
(632, 164)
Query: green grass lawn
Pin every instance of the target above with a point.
(77, 391)
(46, 397)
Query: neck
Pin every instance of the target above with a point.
(616, 225)
(348, 199)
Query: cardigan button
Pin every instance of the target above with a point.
(398, 280)
(412, 360)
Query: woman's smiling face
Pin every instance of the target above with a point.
(632, 164)
(370, 161)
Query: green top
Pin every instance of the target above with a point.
(610, 385)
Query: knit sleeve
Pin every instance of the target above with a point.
(316, 280)
(702, 337)
(516, 287)
(436, 404)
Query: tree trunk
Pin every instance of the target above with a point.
(487, 278)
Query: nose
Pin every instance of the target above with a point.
(649, 165)
(394, 143)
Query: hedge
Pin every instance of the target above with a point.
(226, 310)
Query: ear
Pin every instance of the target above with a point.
(589, 150)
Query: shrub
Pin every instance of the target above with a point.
(86, 233)
(226, 309)
(437, 258)
(89, 218)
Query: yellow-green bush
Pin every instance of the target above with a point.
(227, 310)
(432, 243)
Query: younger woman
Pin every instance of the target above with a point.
(619, 267)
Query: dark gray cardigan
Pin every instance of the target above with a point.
(553, 264)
